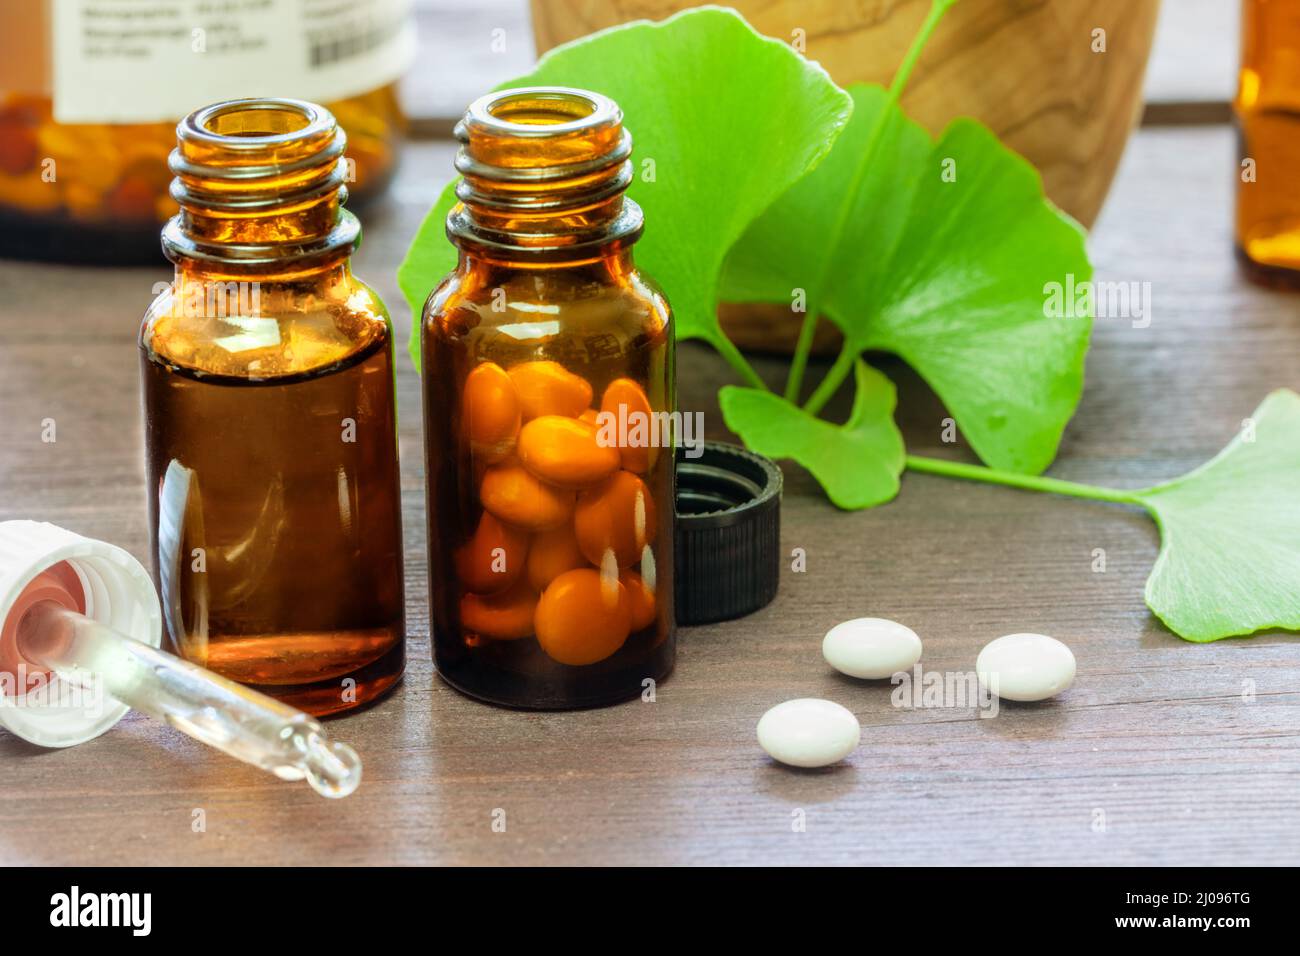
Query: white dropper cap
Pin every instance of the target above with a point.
(114, 590)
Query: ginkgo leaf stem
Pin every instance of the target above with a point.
(1055, 486)
(727, 349)
(904, 72)
(835, 375)
(802, 349)
(813, 298)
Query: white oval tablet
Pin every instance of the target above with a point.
(808, 732)
(1025, 666)
(871, 647)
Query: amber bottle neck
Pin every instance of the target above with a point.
(611, 266)
(260, 184)
(543, 175)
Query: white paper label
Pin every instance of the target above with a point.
(148, 61)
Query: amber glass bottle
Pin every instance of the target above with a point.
(269, 417)
(90, 93)
(548, 382)
(107, 205)
(1268, 122)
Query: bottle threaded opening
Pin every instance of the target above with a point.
(259, 180)
(261, 120)
(543, 173)
(542, 107)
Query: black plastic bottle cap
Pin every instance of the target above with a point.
(728, 560)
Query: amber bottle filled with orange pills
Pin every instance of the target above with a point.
(548, 411)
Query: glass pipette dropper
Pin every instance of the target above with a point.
(80, 626)
(246, 725)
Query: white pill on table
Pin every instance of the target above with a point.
(871, 647)
(809, 732)
(1025, 667)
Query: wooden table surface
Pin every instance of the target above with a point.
(1156, 755)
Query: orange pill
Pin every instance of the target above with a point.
(511, 493)
(19, 150)
(565, 452)
(628, 423)
(494, 558)
(490, 406)
(548, 388)
(589, 416)
(583, 617)
(507, 616)
(641, 599)
(616, 516)
(132, 200)
(551, 554)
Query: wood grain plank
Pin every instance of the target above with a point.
(1160, 735)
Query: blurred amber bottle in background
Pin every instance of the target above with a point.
(91, 91)
(1268, 123)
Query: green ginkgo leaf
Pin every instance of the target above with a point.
(858, 463)
(727, 120)
(1229, 560)
(940, 252)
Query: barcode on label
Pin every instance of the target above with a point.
(325, 47)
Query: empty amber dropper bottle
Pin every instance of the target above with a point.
(548, 375)
(269, 417)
